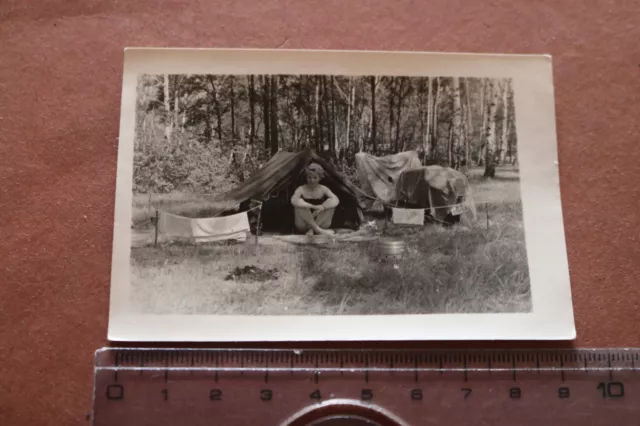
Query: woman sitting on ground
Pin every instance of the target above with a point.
(314, 204)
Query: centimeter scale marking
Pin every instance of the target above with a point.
(381, 387)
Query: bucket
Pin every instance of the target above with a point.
(391, 247)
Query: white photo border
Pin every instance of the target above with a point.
(551, 317)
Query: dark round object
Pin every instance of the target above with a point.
(339, 420)
(344, 414)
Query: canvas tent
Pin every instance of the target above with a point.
(378, 175)
(275, 183)
(443, 191)
(401, 180)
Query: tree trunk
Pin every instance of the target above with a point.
(321, 117)
(318, 127)
(509, 144)
(292, 112)
(434, 138)
(208, 131)
(373, 114)
(176, 107)
(420, 95)
(216, 108)
(510, 140)
(334, 119)
(252, 109)
(490, 151)
(233, 109)
(326, 116)
(509, 148)
(307, 91)
(399, 112)
(168, 124)
(391, 110)
(464, 159)
(273, 110)
(352, 89)
(265, 109)
(410, 137)
(450, 146)
(483, 129)
(469, 127)
(364, 124)
(505, 115)
(300, 111)
(456, 121)
(427, 135)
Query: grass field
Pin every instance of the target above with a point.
(450, 270)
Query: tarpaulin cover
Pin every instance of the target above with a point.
(378, 175)
(436, 188)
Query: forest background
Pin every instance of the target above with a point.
(207, 133)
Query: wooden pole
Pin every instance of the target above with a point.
(486, 208)
(386, 212)
(258, 225)
(155, 240)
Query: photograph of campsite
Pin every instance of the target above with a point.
(326, 195)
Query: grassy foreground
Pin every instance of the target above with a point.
(454, 270)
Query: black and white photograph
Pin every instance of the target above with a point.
(301, 195)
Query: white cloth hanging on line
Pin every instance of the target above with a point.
(234, 227)
(408, 216)
(173, 225)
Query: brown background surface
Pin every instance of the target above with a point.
(60, 82)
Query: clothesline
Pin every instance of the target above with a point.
(215, 215)
(387, 204)
(393, 205)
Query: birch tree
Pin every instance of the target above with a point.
(490, 149)
(327, 116)
(403, 91)
(232, 96)
(265, 110)
(505, 122)
(252, 109)
(484, 129)
(428, 135)
(177, 122)
(216, 106)
(168, 124)
(373, 113)
(456, 123)
(391, 98)
(365, 126)
(469, 121)
(317, 113)
(352, 95)
(273, 113)
(436, 103)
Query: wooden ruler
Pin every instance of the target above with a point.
(366, 387)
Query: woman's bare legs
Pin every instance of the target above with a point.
(314, 221)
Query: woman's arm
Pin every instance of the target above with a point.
(332, 200)
(297, 201)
